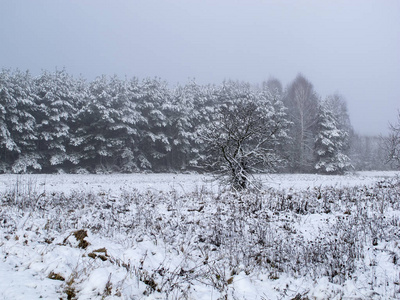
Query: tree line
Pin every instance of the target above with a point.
(57, 123)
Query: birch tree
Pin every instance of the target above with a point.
(302, 103)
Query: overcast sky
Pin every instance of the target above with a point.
(350, 47)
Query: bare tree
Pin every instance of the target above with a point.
(391, 143)
(243, 137)
(338, 105)
(302, 103)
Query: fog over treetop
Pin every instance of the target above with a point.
(346, 46)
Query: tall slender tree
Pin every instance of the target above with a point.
(302, 103)
(8, 146)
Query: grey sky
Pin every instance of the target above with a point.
(350, 47)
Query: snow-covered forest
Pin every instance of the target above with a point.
(57, 123)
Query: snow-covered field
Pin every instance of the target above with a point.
(181, 236)
(181, 183)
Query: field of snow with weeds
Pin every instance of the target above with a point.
(182, 236)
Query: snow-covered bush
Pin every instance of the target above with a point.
(27, 162)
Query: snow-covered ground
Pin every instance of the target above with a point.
(180, 236)
(181, 183)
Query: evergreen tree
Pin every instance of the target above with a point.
(8, 147)
(98, 137)
(153, 101)
(185, 113)
(74, 148)
(56, 122)
(127, 119)
(54, 95)
(329, 144)
(17, 123)
(205, 101)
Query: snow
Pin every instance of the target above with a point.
(182, 183)
(127, 257)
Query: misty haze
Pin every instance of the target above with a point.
(200, 149)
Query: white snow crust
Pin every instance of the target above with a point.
(183, 236)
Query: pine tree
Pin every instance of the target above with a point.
(94, 119)
(205, 102)
(152, 103)
(126, 121)
(75, 160)
(55, 98)
(184, 114)
(17, 123)
(8, 146)
(329, 144)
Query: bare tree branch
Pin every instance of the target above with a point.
(391, 144)
(247, 128)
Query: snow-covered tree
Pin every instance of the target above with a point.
(56, 101)
(179, 112)
(152, 102)
(127, 124)
(107, 126)
(242, 137)
(330, 143)
(189, 108)
(57, 122)
(8, 146)
(17, 123)
(392, 144)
